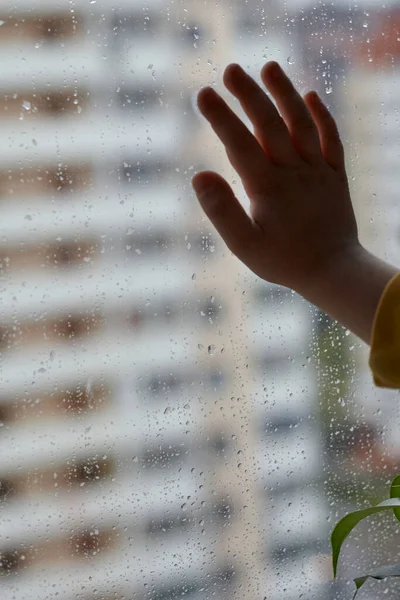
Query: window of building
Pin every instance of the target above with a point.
(7, 489)
(87, 544)
(84, 398)
(158, 385)
(133, 98)
(10, 562)
(167, 524)
(90, 470)
(69, 253)
(75, 326)
(5, 414)
(134, 24)
(194, 34)
(139, 171)
(164, 457)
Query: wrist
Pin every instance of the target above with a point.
(349, 288)
(335, 272)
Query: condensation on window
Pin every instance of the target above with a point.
(171, 424)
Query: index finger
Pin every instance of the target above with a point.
(244, 152)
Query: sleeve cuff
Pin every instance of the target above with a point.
(384, 358)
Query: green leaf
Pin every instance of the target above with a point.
(380, 573)
(395, 493)
(345, 526)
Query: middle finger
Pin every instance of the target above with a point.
(294, 112)
(269, 127)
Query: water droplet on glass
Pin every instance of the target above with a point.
(26, 105)
(329, 90)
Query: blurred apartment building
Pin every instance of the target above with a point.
(155, 396)
(371, 121)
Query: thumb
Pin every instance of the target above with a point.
(224, 210)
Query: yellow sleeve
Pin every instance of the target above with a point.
(384, 358)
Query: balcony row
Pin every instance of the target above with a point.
(29, 221)
(142, 501)
(179, 425)
(125, 569)
(44, 7)
(100, 138)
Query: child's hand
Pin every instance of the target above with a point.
(293, 171)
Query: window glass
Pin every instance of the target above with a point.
(171, 425)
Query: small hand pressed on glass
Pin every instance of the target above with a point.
(293, 170)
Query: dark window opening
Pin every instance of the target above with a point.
(158, 385)
(92, 469)
(53, 28)
(216, 379)
(194, 34)
(89, 542)
(137, 172)
(163, 456)
(291, 552)
(218, 445)
(9, 562)
(167, 524)
(211, 309)
(138, 97)
(5, 413)
(136, 318)
(82, 399)
(176, 591)
(7, 489)
(70, 253)
(134, 24)
(206, 244)
(225, 575)
(281, 424)
(71, 327)
(67, 180)
(5, 337)
(74, 326)
(149, 244)
(224, 510)
(76, 399)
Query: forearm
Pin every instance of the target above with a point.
(350, 290)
